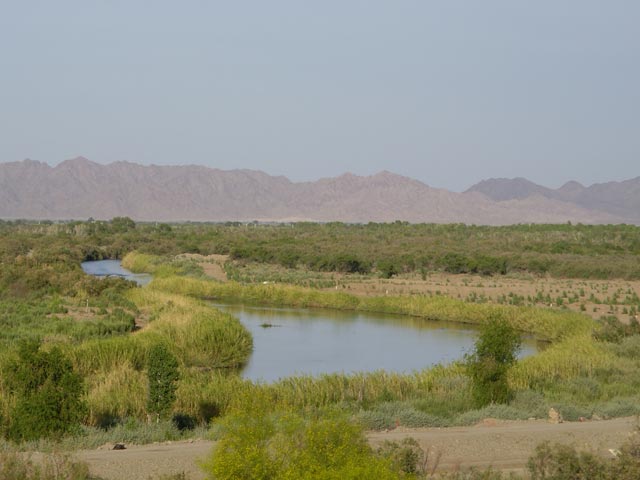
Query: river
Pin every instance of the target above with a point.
(289, 341)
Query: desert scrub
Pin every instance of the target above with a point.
(290, 446)
(16, 466)
(243, 272)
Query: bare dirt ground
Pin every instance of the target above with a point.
(503, 445)
(212, 265)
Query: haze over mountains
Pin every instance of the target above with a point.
(79, 189)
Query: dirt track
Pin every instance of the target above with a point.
(503, 445)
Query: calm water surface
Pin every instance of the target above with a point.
(312, 342)
(109, 268)
(326, 341)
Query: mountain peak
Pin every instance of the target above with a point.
(80, 188)
(502, 189)
(31, 162)
(77, 161)
(571, 187)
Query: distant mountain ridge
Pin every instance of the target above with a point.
(80, 188)
(621, 199)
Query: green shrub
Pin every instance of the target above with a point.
(494, 353)
(562, 462)
(254, 446)
(392, 414)
(619, 407)
(629, 347)
(504, 412)
(572, 412)
(47, 393)
(162, 371)
(405, 455)
(611, 329)
(530, 404)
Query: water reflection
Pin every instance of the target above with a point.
(308, 341)
(113, 268)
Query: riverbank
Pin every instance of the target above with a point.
(573, 354)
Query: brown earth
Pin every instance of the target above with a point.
(212, 265)
(504, 445)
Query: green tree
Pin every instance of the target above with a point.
(47, 393)
(122, 224)
(387, 268)
(163, 375)
(494, 353)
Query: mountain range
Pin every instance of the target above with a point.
(80, 189)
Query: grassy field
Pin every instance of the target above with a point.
(107, 327)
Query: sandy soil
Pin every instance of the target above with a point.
(504, 445)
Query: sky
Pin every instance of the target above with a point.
(448, 92)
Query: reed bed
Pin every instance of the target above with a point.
(201, 337)
(544, 323)
(119, 393)
(140, 262)
(197, 334)
(205, 391)
(576, 356)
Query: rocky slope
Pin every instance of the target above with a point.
(79, 189)
(620, 199)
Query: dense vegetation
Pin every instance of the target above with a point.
(128, 354)
(578, 251)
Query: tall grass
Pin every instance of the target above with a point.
(140, 262)
(545, 323)
(201, 337)
(197, 334)
(119, 393)
(578, 355)
(160, 266)
(201, 392)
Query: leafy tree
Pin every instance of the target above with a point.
(47, 393)
(494, 353)
(122, 224)
(162, 371)
(387, 268)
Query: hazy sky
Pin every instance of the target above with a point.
(448, 92)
